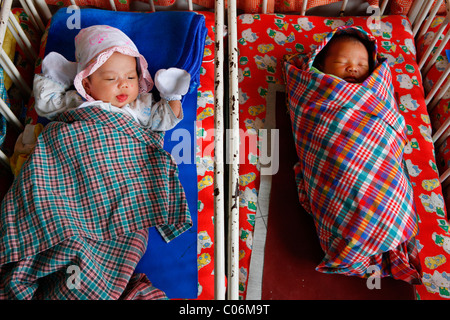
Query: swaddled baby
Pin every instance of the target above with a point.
(350, 174)
(110, 73)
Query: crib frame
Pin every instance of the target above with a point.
(39, 12)
(419, 11)
(225, 107)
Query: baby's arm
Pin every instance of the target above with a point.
(176, 107)
(156, 116)
(164, 117)
(50, 87)
(51, 97)
(165, 114)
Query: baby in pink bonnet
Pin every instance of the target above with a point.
(110, 73)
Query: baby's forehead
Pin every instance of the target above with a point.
(346, 39)
(350, 43)
(119, 61)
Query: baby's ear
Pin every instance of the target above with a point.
(318, 65)
(86, 85)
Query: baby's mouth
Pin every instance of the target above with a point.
(351, 79)
(122, 97)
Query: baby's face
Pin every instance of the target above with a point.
(348, 60)
(116, 81)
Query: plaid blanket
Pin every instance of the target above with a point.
(350, 175)
(75, 222)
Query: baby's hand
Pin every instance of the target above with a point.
(59, 69)
(172, 83)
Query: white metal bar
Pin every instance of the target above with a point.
(422, 16)
(36, 16)
(343, 6)
(233, 105)
(9, 115)
(443, 177)
(22, 37)
(113, 5)
(27, 10)
(416, 7)
(4, 16)
(219, 171)
(4, 159)
(264, 6)
(44, 9)
(152, 6)
(30, 10)
(430, 18)
(431, 46)
(13, 72)
(437, 98)
(18, 39)
(7, 68)
(437, 85)
(5, 61)
(436, 53)
(439, 136)
(383, 6)
(304, 6)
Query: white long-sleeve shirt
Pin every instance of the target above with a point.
(52, 98)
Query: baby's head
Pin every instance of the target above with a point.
(345, 56)
(110, 67)
(116, 81)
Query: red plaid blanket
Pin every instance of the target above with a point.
(350, 175)
(75, 222)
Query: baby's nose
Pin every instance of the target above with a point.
(123, 83)
(353, 68)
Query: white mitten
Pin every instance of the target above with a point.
(59, 69)
(172, 83)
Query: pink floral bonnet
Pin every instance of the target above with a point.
(93, 47)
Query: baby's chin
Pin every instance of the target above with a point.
(119, 104)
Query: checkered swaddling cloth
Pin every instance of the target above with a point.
(350, 175)
(86, 198)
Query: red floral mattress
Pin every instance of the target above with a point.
(263, 42)
(205, 167)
